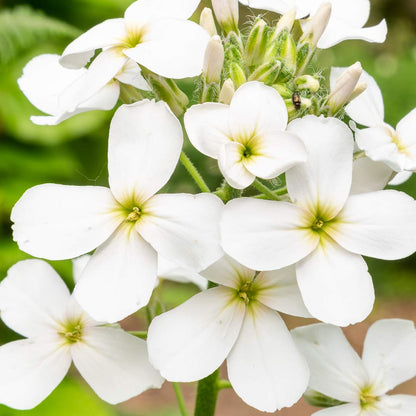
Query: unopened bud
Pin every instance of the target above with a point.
(266, 73)
(286, 22)
(237, 74)
(359, 89)
(344, 87)
(283, 90)
(317, 25)
(226, 12)
(296, 105)
(317, 399)
(307, 82)
(227, 92)
(214, 60)
(257, 43)
(287, 51)
(207, 21)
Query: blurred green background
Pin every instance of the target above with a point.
(75, 152)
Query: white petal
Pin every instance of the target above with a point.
(208, 128)
(397, 405)
(172, 48)
(228, 272)
(266, 235)
(278, 289)
(169, 270)
(335, 284)
(33, 298)
(336, 369)
(145, 11)
(323, 182)
(131, 74)
(106, 34)
(119, 278)
(390, 353)
(62, 222)
(378, 224)
(279, 6)
(257, 109)
(183, 228)
(275, 154)
(114, 364)
(232, 166)
(78, 266)
(264, 367)
(368, 108)
(377, 142)
(101, 72)
(350, 409)
(191, 341)
(406, 127)
(339, 30)
(44, 79)
(369, 176)
(400, 178)
(143, 151)
(30, 370)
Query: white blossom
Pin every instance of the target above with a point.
(236, 320)
(347, 18)
(63, 92)
(35, 302)
(325, 230)
(389, 359)
(128, 224)
(248, 136)
(154, 33)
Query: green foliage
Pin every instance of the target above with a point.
(22, 28)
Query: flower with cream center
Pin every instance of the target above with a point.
(248, 136)
(35, 302)
(237, 321)
(127, 224)
(324, 230)
(360, 385)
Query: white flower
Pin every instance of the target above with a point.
(389, 359)
(154, 33)
(128, 224)
(324, 230)
(381, 142)
(248, 136)
(35, 302)
(63, 92)
(236, 320)
(346, 22)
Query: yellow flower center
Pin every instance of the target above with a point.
(134, 215)
(72, 332)
(367, 398)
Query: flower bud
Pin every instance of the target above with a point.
(286, 22)
(344, 87)
(214, 60)
(307, 82)
(226, 12)
(317, 25)
(206, 20)
(317, 399)
(227, 92)
(359, 89)
(296, 104)
(287, 51)
(257, 43)
(266, 73)
(237, 74)
(283, 90)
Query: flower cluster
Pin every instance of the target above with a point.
(296, 248)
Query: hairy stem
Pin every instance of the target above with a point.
(193, 171)
(261, 187)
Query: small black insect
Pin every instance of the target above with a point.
(296, 100)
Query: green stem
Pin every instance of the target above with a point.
(139, 334)
(265, 190)
(206, 399)
(224, 384)
(180, 399)
(192, 170)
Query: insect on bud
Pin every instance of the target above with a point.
(226, 12)
(206, 20)
(344, 88)
(227, 92)
(214, 60)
